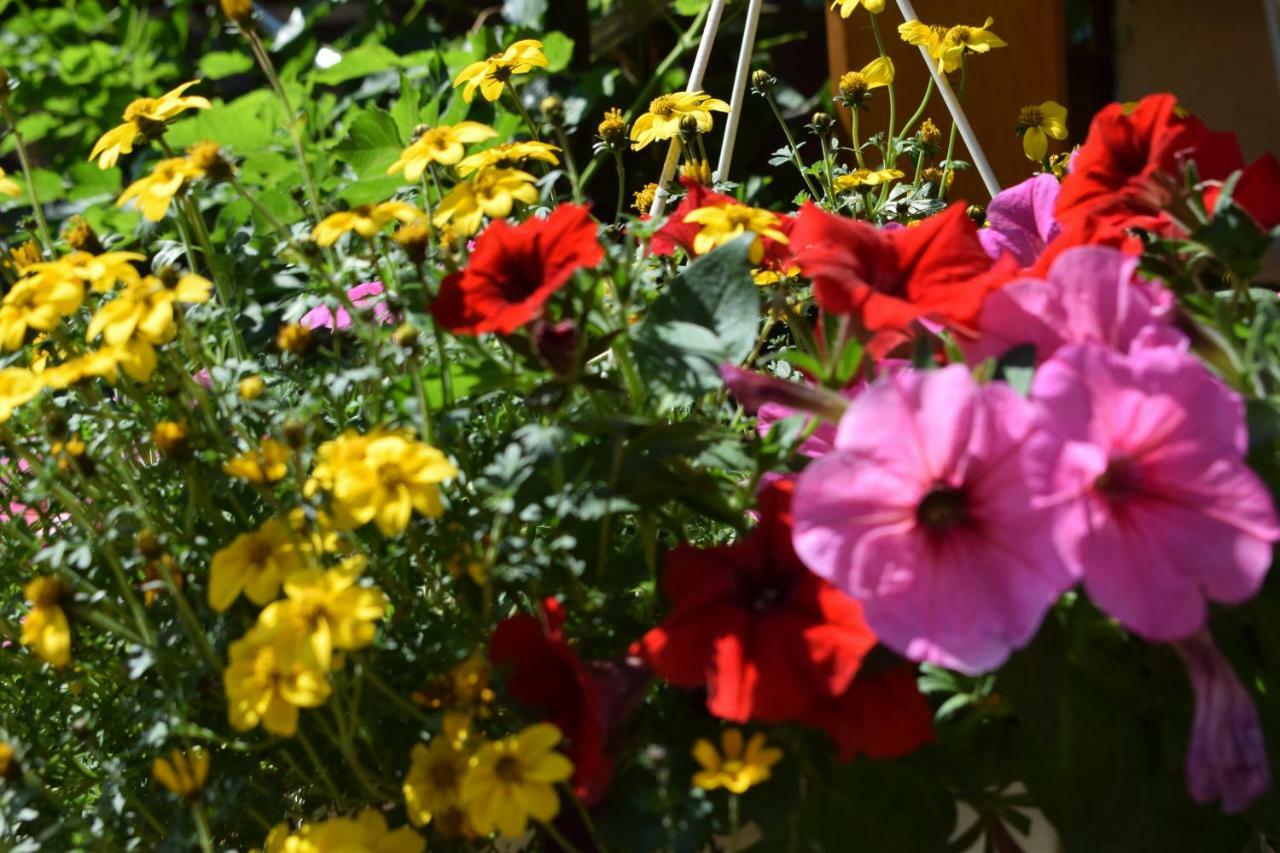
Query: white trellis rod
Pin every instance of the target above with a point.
(698, 72)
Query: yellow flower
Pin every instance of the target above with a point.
(723, 224)
(45, 627)
(99, 364)
(492, 193)
(144, 116)
(855, 86)
(642, 199)
(847, 6)
(184, 772)
(866, 178)
(144, 310)
(170, 438)
(251, 388)
(613, 128)
(367, 832)
(18, 386)
(268, 678)
(924, 35)
(491, 75)
(100, 272)
(256, 563)
(949, 45)
(6, 758)
(465, 686)
(327, 611)
(8, 186)
(508, 155)
(696, 170)
(434, 781)
(36, 303)
(366, 220)
(735, 771)
(765, 277)
(443, 145)
(662, 121)
(1037, 124)
(513, 779)
(266, 463)
(156, 191)
(381, 477)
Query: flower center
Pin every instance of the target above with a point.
(663, 106)
(1030, 117)
(508, 770)
(444, 776)
(960, 35)
(853, 85)
(942, 509)
(737, 216)
(260, 552)
(1121, 480)
(390, 475)
(939, 31)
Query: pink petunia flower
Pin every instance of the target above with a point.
(922, 513)
(1226, 758)
(1021, 220)
(1091, 294)
(361, 296)
(1143, 456)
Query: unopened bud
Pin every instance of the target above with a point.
(238, 11)
(406, 336)
(762, 82)
(822, 124)
(252, 387)
(552, 109)
(295, 433)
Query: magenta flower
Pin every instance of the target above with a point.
(1091, 295)
(1021, 220)
(922, 512)
(1143, 454)
(361, 296)
(1226, 758)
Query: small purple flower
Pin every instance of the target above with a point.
(362, 296)
(1021, 220)
(1226, 758)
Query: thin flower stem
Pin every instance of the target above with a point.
(951, 139)
(827, 169)
(570, 166)
(558, 838)
(528, 119)
(791, 143)
(42, 226)
(917, 115)
(202, 826)
(622, 184)
(893, 101)
(857, 140)
(731, 844)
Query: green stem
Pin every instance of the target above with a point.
(919, 113)
(791, 143)
(857, 140)
(951, 140)
(42, 226)
(528, 119)
(893, 101)
(570, 166)
(202, 827)
(622, 184)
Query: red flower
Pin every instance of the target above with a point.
(1257, 192)
(677, 233)
(1133, 158)
(546, 674)
(890, 278)
(881, 715)
(514, 270)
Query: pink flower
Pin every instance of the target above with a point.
(1143, 454)
(1091, 295)
(361, 296)
(922, 513)
(1227, 758)
(1021, 220)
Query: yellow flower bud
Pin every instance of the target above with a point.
(251, 387)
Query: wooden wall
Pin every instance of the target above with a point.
(1030, 70)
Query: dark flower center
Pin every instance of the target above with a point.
(508, 770)
(1121, 480)
(444, 775)
(943, 508)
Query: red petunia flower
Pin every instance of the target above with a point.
(881, 715)
(1133, 157)
(677, 233)
(890, 278)
(515, 269)
(545, 674)
(1257, 192)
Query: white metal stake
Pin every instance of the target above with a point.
(739, 89)
(696, 74)
(957, 111)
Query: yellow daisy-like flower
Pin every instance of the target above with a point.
(367, 832)
(327, 611)
(491, 75)
(928, 36)
(144, 311)
(513, 780)
(100, 272)
(18, 386)
(433, 784)
(666, 112)
(266, 463)
(144, 116)
(156, 191)
(443, 145)
(44, 628)
(866, 178)
(256, 563)
(366, 220)
(855, 86)
(101, 363)
(382, 477)
(36, 303)
(1037, 123)
(508, 155)
(721, 224)
(492, 193)
(612, 129)
(846, 7)
(949, 45)
(735, 770)
(8, 186)
(183, 772)
(268, 678)
(764, 277)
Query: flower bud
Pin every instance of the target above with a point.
(552, 109)
(977, 213)
(557, 343)
(295, 433)
(293, 338)
(689, 127)
(208, 158)
(643, 198)
(930, 135)
(613, 129)
(406, 336)
(415, 238)
(238, 11)
(8, 764)
(80, 236)
(822, 124)
(251, 387)
(170, 438)
(762, 82)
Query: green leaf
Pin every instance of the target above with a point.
(407, 110)
(359, 62)
(245, 124)
(372, 144)
(709, 315)
(558, 48)
(220, 63)
(524, 13)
